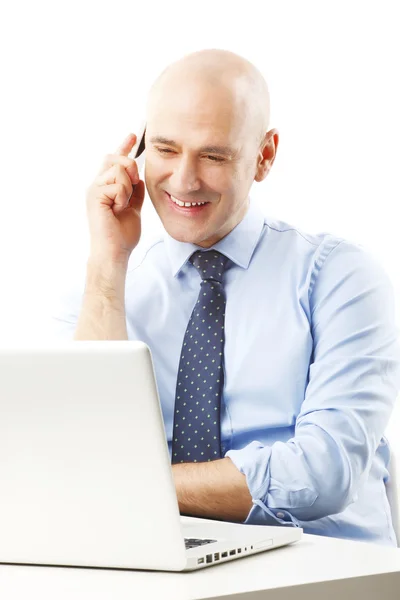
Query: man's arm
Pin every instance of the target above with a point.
(213, 489)
(353, 384)
(114, 202)
(102, 315)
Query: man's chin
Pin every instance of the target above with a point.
(180, 233)
(183, 236)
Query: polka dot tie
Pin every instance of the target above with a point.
(196, 431)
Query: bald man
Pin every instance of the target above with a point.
(275, 351)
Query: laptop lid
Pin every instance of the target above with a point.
(83, 480)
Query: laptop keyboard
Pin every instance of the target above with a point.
(194, 542)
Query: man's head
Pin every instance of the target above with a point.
(207, 141)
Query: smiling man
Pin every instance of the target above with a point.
(275, 351)
(207, 142)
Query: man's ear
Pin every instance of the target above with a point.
(266, 155)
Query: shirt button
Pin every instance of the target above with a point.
(280, 515)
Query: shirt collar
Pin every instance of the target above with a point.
(238, 245)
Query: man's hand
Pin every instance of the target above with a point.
(113, 210)
(214, 490)
(114, 205)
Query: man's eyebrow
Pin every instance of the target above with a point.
(223, 150)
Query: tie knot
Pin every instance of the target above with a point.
(210, 264)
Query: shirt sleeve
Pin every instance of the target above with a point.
(354, 378)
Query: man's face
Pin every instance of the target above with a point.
(199, 149)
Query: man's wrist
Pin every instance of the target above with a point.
(106, 278)
(102, 315)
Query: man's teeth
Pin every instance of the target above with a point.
(179, 203)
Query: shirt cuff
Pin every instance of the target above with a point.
(253, 461)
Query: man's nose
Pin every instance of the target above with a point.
(185, 177)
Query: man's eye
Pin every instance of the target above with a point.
(209, 156)
(165, 150)
(215, 158)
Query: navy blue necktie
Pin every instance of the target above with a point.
(196, 433)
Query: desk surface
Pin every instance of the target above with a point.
(305, 570)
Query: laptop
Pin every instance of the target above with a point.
(85, 471)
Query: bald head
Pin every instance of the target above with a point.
(206, 143)
(230, 78)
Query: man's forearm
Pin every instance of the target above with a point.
(214, 490)
(102, 315)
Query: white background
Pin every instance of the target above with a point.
(74, 79)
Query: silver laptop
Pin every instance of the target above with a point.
(85, 473)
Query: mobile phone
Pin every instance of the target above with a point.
(138, 150)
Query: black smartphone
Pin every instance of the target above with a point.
(138, 150)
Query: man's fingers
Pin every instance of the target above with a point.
(116, 159)
(127, 145)
(116, 174)
(137, 196)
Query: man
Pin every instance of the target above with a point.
(275, 352)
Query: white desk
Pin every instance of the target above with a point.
(315, 567)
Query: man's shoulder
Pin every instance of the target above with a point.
(292, 240)
(317, 250)
(283, 229)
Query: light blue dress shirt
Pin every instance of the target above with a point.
(311, 365)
